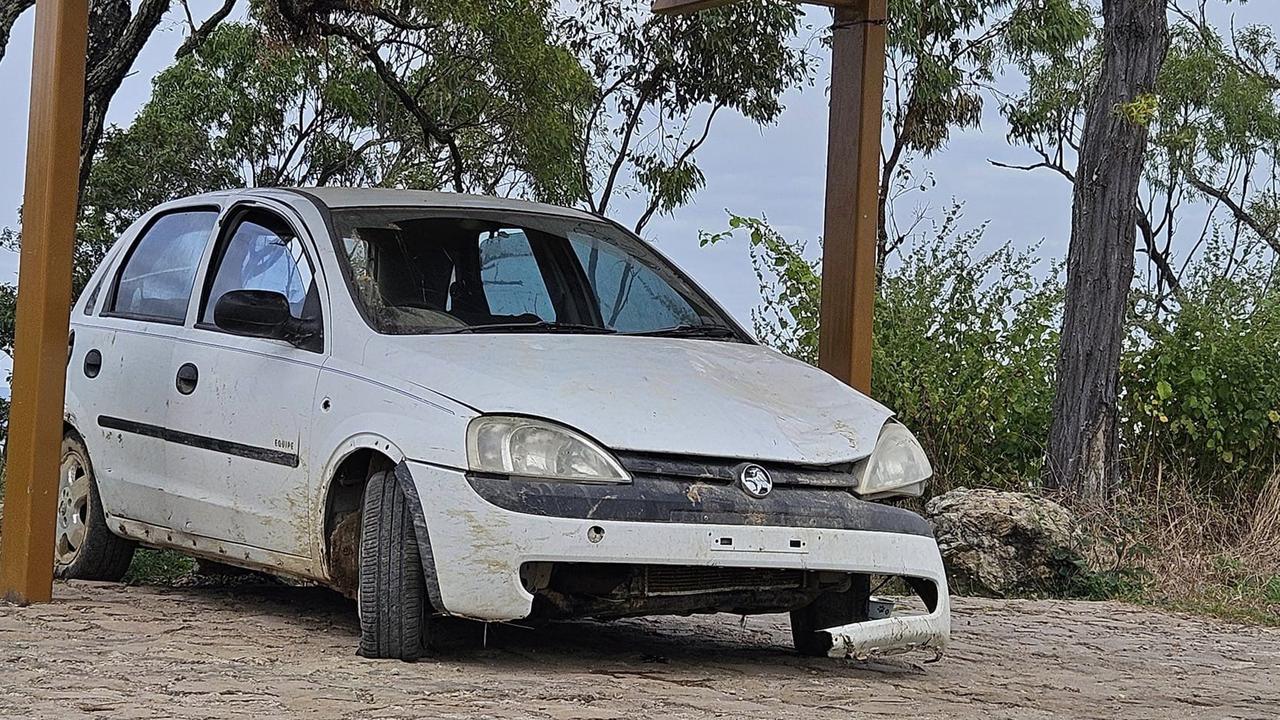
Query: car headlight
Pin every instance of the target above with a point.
(538, 449)
(898, 465)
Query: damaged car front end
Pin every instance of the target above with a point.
(646, 533)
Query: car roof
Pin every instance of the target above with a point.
(335, 198)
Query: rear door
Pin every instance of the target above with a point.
(122, 355)
(241, 405)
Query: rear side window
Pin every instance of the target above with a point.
(156, 280)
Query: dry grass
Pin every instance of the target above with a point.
(1182, 551)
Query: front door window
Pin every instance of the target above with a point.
(263, 253)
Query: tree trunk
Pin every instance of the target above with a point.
(1083, 441)
(116, 36)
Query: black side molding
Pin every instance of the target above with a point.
(226, 447)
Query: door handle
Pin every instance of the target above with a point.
(188, 376)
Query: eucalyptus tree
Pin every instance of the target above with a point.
(485, 87)
(1084, 445)
(1214, 122)
(659, 84)
(946, 60)
(1209, 180)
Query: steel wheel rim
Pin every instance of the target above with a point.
(73, 508)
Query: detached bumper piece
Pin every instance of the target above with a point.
(887, 634)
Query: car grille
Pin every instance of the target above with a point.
(843, 475)
(685, 580)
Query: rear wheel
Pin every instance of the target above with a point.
(394, 609)
(830, 609)
(84, 547)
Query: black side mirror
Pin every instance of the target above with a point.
(264, 314)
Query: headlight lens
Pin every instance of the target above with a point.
(898, 465)
(538, 449)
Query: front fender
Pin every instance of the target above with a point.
(355, 413)
(398, 419)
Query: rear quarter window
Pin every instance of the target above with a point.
(157, 277)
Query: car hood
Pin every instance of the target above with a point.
(648, 394)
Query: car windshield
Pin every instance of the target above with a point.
(417, 271)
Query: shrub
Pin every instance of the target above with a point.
(1201, 388)
(965, 346)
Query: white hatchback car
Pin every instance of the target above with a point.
(453, 405)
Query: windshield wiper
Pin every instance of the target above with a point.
(530, 327)
(692, 331)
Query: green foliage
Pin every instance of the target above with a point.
(1202, 389)
(243, 110)
(1130, 584)
(790, 287)
(1047, 114)
(248, 108)
(493, 99)
(158, 567)
(1234, 591)
(947, 55)
(660, 82)
(1271, 590)
(1214, 124)
(945, 59)
(955, 48)
(1218, 97)
(8, 304)
(497, 74)
(1141, 110)
(964, 344)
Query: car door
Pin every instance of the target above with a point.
(243, 405)
(122, 344)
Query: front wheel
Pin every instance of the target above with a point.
(394, 609)
(84, 547)
(830, 609)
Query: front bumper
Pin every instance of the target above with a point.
(478, 548)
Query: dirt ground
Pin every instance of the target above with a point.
(274, 652)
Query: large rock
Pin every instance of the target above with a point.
(1003, 543)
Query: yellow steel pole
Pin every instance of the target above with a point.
(44, 296)
(853, 191)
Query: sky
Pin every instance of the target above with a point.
(777, 171)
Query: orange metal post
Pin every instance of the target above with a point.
(853, 188)
(853, 182)
(44, 296)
